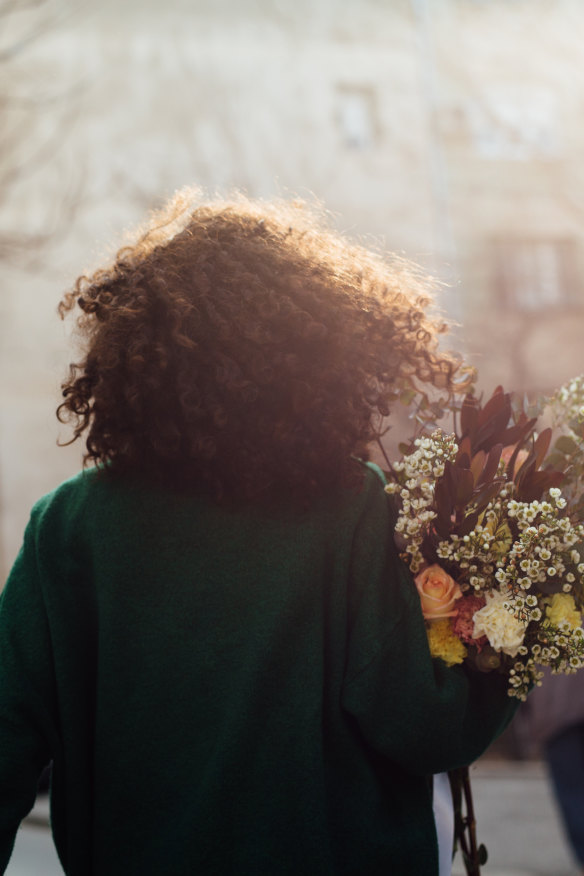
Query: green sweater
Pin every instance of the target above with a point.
(225, 692)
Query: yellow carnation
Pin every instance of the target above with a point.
(563, 608)
(444, 644)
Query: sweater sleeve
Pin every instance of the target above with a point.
(413, 709)
(26, 690)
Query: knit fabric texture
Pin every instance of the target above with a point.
(226, 691)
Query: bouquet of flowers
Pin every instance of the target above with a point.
(496, 548)
(490, 523)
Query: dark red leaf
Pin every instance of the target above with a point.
(534, 483)
(518, 434)
(468, 524)
(541, 446)
(477, 465)
(462, 460)
(469, 415)
(492, 465)
(493, 430)
(464, 486)
(498, 402)
(465, 447)
(488, 493)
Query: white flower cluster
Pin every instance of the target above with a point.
(416, 476)
(473, 557)
(559, 647)
(542, 559)
(568, 402)
(545, 551)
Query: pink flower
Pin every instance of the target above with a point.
(438, 592)
(463, 623)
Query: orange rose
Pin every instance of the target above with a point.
(438, 592)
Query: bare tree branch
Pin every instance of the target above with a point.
(34, 117)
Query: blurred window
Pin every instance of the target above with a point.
(515, 123)
(535, 275)
(356, 115)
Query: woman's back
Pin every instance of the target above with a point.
(199, 657)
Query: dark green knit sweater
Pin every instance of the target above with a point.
(226, 692)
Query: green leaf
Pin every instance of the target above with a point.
(578, 512)
(566, 445)
(482, 855)
(555, 460)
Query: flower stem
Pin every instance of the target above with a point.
(465, 836)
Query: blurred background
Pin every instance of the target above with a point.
(450, 131)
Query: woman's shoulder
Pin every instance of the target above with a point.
(78, 498)
(73, 489)
(95, 491)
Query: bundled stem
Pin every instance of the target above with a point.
(465, 836)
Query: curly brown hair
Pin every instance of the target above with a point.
(244, 349)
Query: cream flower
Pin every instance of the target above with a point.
(503, 630)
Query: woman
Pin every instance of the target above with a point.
(209, 630)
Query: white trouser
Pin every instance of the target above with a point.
(444, 818)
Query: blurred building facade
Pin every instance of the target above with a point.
(450, 131)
